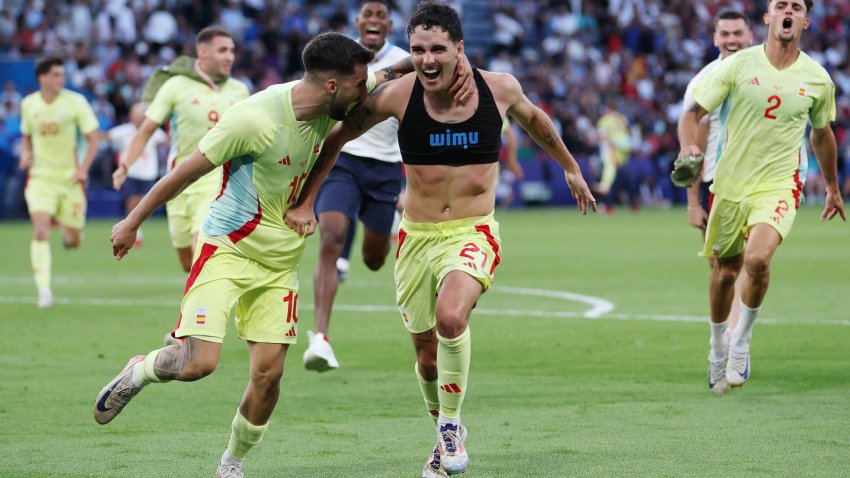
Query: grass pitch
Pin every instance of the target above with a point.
(589, 360)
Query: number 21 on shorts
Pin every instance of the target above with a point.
(477, 257)
(779, 212)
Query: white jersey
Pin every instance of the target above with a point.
(146, 167)
(713, 119)
(380, 142)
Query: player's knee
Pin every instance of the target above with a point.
(71, 241)
(428, 368)
(267, 380)
(374, 262)
(757, 264)
(331, 243)
(726, 275)
(451, 320)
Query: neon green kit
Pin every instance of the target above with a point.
(246, 255)
(765, 112)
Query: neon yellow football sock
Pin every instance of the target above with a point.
(429, 393)
(243, 436)
(148, 368)
(453, 356)
(41, 259)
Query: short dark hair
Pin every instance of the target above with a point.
(731, 15)
(809, 5)
(430, 15)
(207, 34)
(334, 52)
(387, 3)
(45, 64)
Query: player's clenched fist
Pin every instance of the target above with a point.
(123, 237)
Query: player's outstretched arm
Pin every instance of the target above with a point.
(541, 129)
(134, 150)
(301, 217)
(826, 151)
(124, 233)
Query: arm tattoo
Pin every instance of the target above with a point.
(544, 134)
(389, 74)
(356, 118)
(172, 359)
(378, 90)
(400, 68)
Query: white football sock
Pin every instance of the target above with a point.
(718, 340)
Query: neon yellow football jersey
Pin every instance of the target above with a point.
(615, 127)
(192, 108)
(53, 129)
(266, 155)
(764, 111)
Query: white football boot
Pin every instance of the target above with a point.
(717, 373)
(738, 369)
(319, 355)
(230, 470)
(117, 393)
(45, 298)
(453, 456)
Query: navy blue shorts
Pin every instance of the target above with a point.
(705, 195)
(135, 187)
(362, 188)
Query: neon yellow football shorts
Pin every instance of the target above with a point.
(64, 201)
(266, 299)
(186, 214)
(427, 252)
(729, 222)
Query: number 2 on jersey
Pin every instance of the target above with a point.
(768, 112)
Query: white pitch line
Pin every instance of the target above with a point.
(84, 281)
(389, 308)
(599, 306)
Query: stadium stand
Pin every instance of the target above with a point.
(570, 56)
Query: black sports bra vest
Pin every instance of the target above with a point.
(424, 141)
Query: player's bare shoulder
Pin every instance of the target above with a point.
(505, 87)
(390, 98)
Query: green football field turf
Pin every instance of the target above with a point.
(589, 359)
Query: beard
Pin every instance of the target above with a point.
(337, 111)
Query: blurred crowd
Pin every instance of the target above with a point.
(571, 56)
(574, 56)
